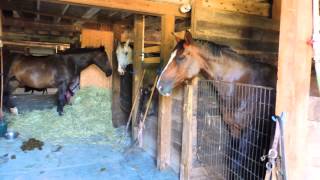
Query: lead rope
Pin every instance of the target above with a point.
(273, 156)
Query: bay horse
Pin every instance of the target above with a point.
(55, 71)
(219, 62)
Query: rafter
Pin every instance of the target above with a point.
(137, 6)
(88, 14)
(9, 6)
(64, 10)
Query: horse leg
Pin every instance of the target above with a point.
(61, 98)
(11, 85)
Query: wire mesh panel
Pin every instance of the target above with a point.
(233, 128)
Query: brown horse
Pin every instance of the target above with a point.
(56, 71)
(218, 62)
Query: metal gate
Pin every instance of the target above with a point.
(233, 129)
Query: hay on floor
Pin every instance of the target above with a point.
(88, 119)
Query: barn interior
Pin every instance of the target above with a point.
(172, 134)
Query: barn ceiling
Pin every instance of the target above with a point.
(43, 21)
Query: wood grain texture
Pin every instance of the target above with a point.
(165, 103)
(137, 6)
(294, 71)
(241, 6)
(240, 31)
(187, 132)
(139, 27)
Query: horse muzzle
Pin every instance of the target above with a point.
(165, 87)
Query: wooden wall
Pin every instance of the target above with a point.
(242, 25)
(312, 140)
(93, 76)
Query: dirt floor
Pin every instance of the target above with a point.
(76, 161)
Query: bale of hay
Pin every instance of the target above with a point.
(88, 119)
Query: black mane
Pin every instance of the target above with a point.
(83, 50)
(214, 48)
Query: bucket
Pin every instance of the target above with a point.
(3, 127)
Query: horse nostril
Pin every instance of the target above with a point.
(109, 72)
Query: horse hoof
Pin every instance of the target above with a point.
(14, 110)
(60, 113)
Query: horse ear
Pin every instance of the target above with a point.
(127, 42)
(188, 38)
(176, 37)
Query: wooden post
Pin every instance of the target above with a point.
(276, 9)
(1, 73)
(165, 103)
(187, 131)
(294, 68)
(139, 23)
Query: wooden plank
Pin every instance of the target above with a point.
(151, 60)
(152, 42)
(165, 103)
(294, 69)
(10, 36)
(152, 49)
(187, 132)
(24, 23)
(236, 44)
(237, 32)
(37, 44)
(137, 6)
(139, 24)
(231, 18)
(242, 6)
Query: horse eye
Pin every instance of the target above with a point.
(180, 58)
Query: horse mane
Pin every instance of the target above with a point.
(219, 49)
(83, 50)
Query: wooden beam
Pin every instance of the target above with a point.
(152, 49)
(165, 103)
(151, 60)
(187, 131)
(64, 10)
(10, 36)
(39, 25)
(139, 24)
(137, 6)
(37, 44)
(294, 68)
(242, 6)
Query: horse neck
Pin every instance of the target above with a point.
(224, 65)
(79, 61)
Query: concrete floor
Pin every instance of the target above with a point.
(77, 161)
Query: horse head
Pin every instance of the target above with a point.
(124, 56)
(185, 63)
(102, 61)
